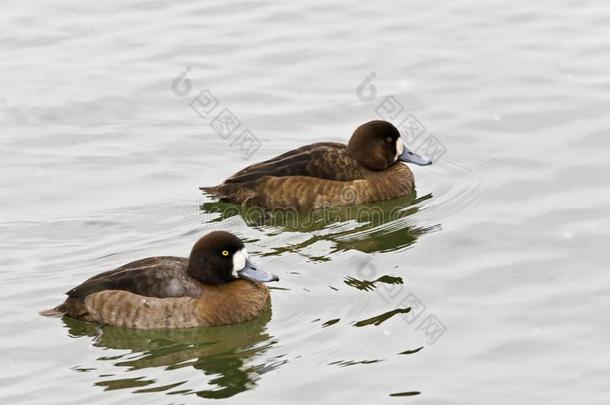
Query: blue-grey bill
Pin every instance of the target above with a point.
(411, 157)
(251, 272)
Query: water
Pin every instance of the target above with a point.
(501, 259)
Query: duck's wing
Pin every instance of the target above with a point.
(161, 277)
(324, 160)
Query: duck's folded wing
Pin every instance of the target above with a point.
(324, 160)
(160, 277)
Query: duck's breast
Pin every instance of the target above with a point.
(394, 182)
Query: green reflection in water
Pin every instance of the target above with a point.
(370, 285)
(379, 227)
(226, 356)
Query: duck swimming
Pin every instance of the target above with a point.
(368, 169)
(216, 285)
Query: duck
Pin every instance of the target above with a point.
(370, 168)
(216, 285)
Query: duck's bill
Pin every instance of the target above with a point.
(409, 156)
(251, 272)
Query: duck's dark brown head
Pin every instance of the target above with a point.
(377, 145)
(220, 257)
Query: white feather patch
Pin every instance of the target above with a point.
(400, 147)
(239, 260)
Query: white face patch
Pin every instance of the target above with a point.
(400, 147)
(239, 260)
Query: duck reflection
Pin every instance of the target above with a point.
(379, 227)
(226, 354)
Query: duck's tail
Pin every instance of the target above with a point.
(59, 310)
(212, 190)
(235, 193)
(224, 191)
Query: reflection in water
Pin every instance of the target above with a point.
(331, 322)
(405, 394)
(412, 351)
(347, 363)
(379, 227)
(366, 285)
(379, 319)
(225, 354)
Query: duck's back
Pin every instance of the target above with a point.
(159, 277)
(323, 160)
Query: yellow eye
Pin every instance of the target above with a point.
(225, 253)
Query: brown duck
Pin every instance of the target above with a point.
(216, 285)
(368, 169)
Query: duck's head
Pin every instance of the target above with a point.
(377, 145)
(220, 257)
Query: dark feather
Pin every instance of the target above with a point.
(324, 160)
(160, 277)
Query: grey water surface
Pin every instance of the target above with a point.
(490, 288)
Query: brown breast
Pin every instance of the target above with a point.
(302, 192)
(234, 302)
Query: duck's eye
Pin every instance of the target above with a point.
(225, 253)
(388, 139)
